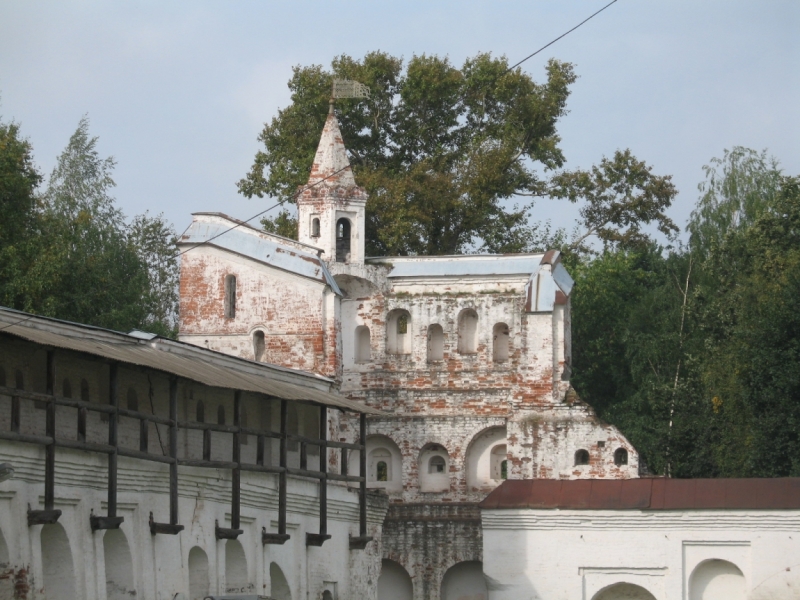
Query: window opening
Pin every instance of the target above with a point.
(315, 227)
(435, 343)
(259, 345)
(230, 296)
(383, 471)
(402, 324)
(343, 240)
(621, 457)
(436, 465)
(500, 343)
(504, 469)
(468, 332)
(363, 348)
(581, 457)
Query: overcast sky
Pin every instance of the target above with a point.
(178, 91)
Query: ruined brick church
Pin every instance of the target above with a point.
(467, 356)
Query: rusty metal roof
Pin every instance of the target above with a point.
(647, 494)
(184, 360)
(464, 265)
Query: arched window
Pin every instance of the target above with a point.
(84, 390)
(363, 353)
(468, 332)
(343, 240)
(435, 343)
(221, 415)
(581, 457)
(380, 463)
(230, 296)
(398, 332)
(200, 412)
(620, 457)
(66, 388)
(259, 345)
(500, 342)
(436, 464)
(497, 462)
(383, 471)
(133, 401)
(315, 227)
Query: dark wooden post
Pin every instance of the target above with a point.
(111, 521)
(50, 431)
(173, 451)
(282, 478)
(319, 538)
(237, 472)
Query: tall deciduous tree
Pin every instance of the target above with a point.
(439, 148)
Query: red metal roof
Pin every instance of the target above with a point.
(649, 493)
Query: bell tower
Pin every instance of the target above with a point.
(330, 210)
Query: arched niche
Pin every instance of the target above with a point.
(435, 343)
(119, 566)
(434, 468)
(465, 580)
(199, 585)
(6, 583)
(717, 580)
(57, 567)
(383, 457)
(500, 343)
(363, 348)
(259, 345)
(398, 332)
(236, 580)
(485, 454)
(5, 558)
(623, 591)
(394, 582)
(280, 589)
(468, 331)
(620, 457)
(343, 237)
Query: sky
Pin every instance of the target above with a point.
(178, 92)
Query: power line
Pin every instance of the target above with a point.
(559, 37)
(240, 223)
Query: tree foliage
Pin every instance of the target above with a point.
(694, 354)
(439, 148)
(72, 253)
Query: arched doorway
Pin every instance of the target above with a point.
(717, 580)
(394, 582)
(236, 581)
(199, 585)
(280, 587)
(57, 569)
(623, 591)
(119, 566)
(465, 581)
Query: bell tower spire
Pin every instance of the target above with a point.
(331, 211)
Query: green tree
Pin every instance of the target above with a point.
(19, 179)
(738, 188)
(439, 148)
(751, 318)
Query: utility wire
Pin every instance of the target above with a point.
(240, 223)
(590, 17)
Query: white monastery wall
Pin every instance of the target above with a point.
(688, 555)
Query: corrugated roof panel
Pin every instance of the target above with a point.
(461, 266)
(250, 243)
(647, 494)
(193, 362)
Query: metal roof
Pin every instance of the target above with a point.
(647, 494)
(184, 360)
(461, 265)
(214, 229)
